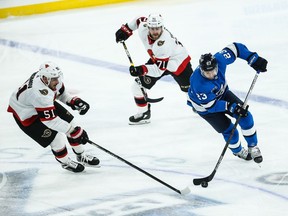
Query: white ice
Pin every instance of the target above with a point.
(178, 145)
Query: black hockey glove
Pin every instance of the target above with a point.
(123, 33)
(138, 70)
(78, 136)
(258, 63)
(234, 108)
(78, 104)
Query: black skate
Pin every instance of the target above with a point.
(87, 160)
(141, 118)
(72, 166)
(255, 154)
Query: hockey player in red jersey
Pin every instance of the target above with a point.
(36, 111)
(167, 57)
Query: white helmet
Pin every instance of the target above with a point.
(49, 70)
(155, 21)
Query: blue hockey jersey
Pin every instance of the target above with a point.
(205, 94)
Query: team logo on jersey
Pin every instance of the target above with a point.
(43, 91)
(147, 80)
(160, 43)
(219, 92)
(47, 133)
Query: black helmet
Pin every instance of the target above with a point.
(207, 62)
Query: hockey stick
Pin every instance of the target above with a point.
(150, 100)
(182, 192)
(204, 181)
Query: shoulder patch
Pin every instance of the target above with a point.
(160, 43)
(43, 91)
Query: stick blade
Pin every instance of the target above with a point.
(185, 191)
(207, 179)
(198, 181)
(154, 100)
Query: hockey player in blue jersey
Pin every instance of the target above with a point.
(210, 96)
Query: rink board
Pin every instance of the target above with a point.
(40, 8)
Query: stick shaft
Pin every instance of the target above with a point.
(135, 167)
(138, 78)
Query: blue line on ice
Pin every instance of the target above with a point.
(113, 66)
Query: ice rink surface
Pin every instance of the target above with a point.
(178, 145)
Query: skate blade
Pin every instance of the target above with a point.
(92, 166)
(140, 122)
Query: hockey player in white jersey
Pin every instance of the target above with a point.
(167, 57)
(36, 111)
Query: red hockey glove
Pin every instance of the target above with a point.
(138, 70)
(123, 33)
(78, 136)
(80, 105)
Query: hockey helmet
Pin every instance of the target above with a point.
(207, 62)
(155, 21)
(49, 70)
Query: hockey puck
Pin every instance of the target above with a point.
(204, 184)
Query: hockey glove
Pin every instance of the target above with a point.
(138, 70)
(123, 33)
(234, 108)
(258, 63)
(80, 105)
(78, 136)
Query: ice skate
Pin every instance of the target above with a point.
(255, 154)
(72, 166)
(141, 118)
(87, 160)
(243, 154)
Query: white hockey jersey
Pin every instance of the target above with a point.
(166, 52)
(35, 100)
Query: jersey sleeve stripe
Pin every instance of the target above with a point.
(233, 49)
(182, 67)
(47, 119)
(40, 109)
